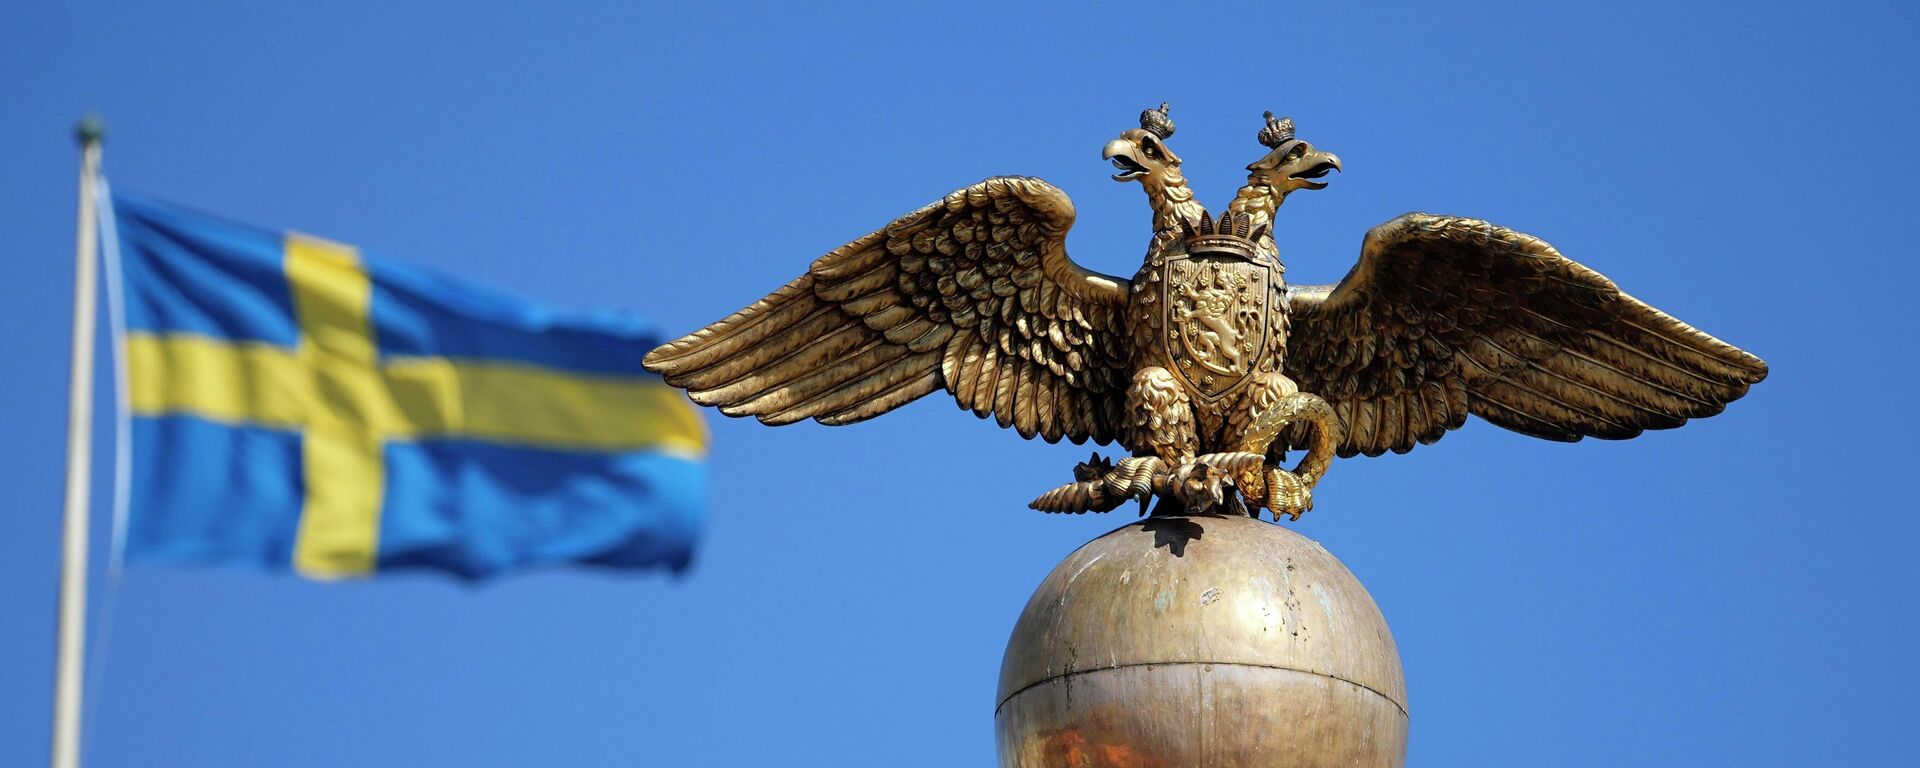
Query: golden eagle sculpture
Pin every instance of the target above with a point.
(1207, 366)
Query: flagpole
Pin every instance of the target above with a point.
(72, 638)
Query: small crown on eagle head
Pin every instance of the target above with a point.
(1277, 132)
(1156, 121)
(1232, 234)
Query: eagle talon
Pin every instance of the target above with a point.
(1288, 494)
(1282, 492)
(1202, 488)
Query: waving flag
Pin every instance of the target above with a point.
(297, 405)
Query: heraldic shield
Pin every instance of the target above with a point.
(1216, 321)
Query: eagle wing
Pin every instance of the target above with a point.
(973, 294)
(1448, 316)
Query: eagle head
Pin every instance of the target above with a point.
(1141, 154)
(1290, 163)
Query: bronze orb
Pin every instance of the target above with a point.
(1201, 641)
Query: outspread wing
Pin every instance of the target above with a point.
(1447, 316)
(973, 294)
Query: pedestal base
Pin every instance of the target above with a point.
(1201, 641)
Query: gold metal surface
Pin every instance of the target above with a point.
(1201, 641)
(1207, 354)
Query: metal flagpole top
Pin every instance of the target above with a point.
(90, 129)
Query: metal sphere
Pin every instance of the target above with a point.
(1201, 641)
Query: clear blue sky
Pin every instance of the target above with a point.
(1738, 592)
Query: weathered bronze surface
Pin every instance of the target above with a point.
(1201, 641)
(1207, 366)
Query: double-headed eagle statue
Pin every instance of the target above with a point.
(1207, 366)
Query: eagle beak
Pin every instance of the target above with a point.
(1315, 165)
(1120, 153)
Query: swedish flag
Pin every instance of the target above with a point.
(296, 405)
